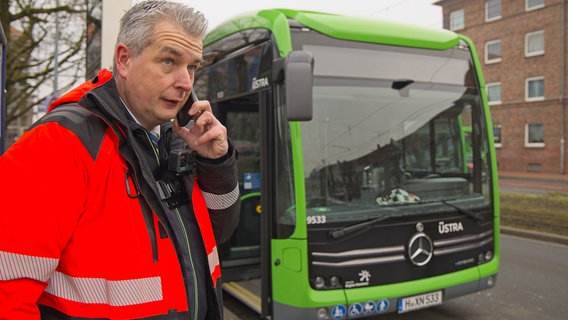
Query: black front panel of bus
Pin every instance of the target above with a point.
(398, 250)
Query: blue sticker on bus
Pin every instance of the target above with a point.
(251, 180)
(382, 305)
(338, 312)
(369, 307)
(355, 310)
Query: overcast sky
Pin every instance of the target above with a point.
(420, 12)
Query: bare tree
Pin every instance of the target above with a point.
(45, 54)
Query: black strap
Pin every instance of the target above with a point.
(87, 126)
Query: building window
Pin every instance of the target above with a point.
(493, 51)
(534, 135)
(497, 134)
(533, 4)
(457, 20)
(494, 93)
(534, 43)
(492, 10)
(535, 89)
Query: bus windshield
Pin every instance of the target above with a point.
(394, 127)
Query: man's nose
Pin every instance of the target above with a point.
(184, 80)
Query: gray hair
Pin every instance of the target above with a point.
(137, 24)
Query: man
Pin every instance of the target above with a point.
(101, 219)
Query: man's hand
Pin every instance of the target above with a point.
(207, 136)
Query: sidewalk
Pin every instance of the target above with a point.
(533, 175)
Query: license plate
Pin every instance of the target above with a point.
(420, 301)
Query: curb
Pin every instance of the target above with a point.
(543, 236)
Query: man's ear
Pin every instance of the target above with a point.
(122, 56)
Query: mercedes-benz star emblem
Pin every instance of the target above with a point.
(420, 249)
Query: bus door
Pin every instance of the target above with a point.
(240, 256)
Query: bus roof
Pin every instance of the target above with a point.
(336, 26)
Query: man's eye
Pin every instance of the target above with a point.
(168, 61)
(192, 68)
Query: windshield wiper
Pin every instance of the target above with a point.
(342, 232)
(474, 215)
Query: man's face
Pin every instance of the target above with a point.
(158, 81)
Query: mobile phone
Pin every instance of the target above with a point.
(182, 116)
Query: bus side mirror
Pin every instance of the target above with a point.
(299, 78)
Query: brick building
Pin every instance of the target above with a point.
(522, 48)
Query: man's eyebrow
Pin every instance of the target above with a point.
(171, 50)
(168, 49)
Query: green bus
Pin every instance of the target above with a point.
(357, 198)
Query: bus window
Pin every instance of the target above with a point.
(434, 150)
(242, 121)
(374, 134)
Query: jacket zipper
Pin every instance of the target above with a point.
(186, 238)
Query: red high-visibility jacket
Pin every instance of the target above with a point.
(83, 232)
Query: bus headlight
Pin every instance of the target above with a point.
(319, 283)
(334, 282)
(488, 255)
